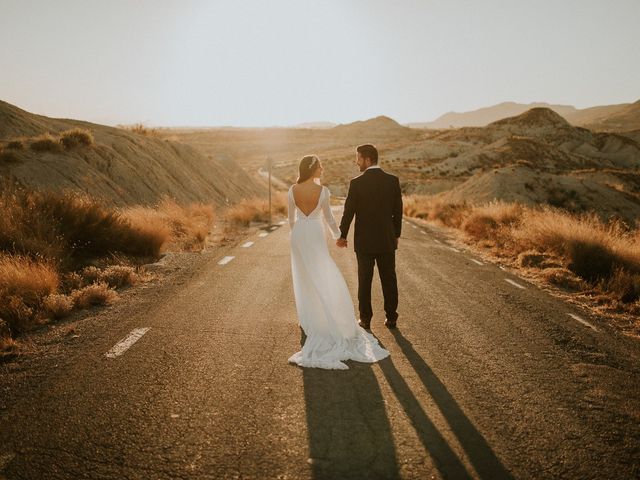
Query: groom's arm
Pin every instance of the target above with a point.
(349, 211)
(397, 209)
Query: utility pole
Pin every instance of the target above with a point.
(269, 164)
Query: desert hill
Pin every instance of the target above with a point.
(374, 129)
(535, 157)
(486, 115)
(621, 120)
(121, 167)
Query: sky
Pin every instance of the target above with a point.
(284, 62)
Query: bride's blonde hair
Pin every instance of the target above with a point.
(307, 167)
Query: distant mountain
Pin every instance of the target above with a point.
(486, 115)
(122, 167)
(624, 119)
(535, 157)
(378, 128)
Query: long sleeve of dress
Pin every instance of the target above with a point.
(328, 216)
(291, 208)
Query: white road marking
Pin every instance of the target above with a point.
(263, 234)
(436, 240)
(502, 268)
(247, 244)
(454, 249)
(226, 260)
(273, 228)
(476, 261)
(508, 280)
(582, 320)
(124, 344)
(413, 226)
(422, 231)
(282, 222)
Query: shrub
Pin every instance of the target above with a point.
(46, 143)
(8, 156)
(256, 210)
(75, 137)
(94, 294)
(15, 145)
(58, 306)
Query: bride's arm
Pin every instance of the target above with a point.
(328, 216)
(291, 208)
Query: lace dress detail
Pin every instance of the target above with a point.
(324, 305)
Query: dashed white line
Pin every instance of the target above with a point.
(247, 244)
(124, 344)
(273, 228)
(413, 226)
(582, 320)
(502, 268)
(282, 222)
(263, 234)
(422, 231)
(476, 261)
(454, 249)
(508, 280)
(226, 260)
(436, 240)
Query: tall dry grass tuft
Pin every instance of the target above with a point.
(428, 208)
(76, 137)
(95, 294)
(57, 305)
(574, 251)
(184, 227)
(487, 221)
(24, 283)
(46, 143)
(256, 210)
(71, 228)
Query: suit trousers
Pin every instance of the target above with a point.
(387, 271)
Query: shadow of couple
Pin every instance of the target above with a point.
(350, 434)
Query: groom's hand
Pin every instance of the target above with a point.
(341, 242)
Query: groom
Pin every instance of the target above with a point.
(376, 201)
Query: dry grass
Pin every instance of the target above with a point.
(24, 282)
(8, 156)
(76, 137)
(48, 238)
(46, 143)
(115, 276)
(256, 210)
(57, 305)
(577, 252)
(71, 228)
(17, 144)
(140, 129)
(183, 227)
(95, 294)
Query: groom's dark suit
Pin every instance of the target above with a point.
(376, 201)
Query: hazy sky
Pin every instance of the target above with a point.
(282, 62)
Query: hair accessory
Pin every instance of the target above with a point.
(313, 162)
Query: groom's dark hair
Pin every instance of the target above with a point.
(368, 151)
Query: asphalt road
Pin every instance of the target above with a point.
(485, 380)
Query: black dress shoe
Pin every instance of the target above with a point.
(389, 324)
(365, 325)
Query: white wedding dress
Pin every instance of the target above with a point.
(325, 309)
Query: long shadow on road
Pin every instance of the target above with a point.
(480, 454)
(348, 429)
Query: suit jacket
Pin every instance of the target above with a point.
(376, 201)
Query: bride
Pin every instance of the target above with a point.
(324, 306)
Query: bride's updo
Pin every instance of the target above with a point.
(308, 166)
